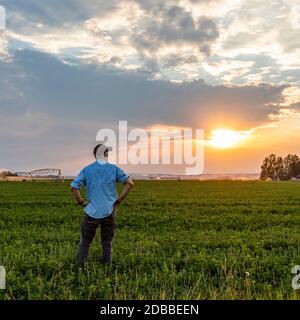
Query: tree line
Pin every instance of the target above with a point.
(279, 168)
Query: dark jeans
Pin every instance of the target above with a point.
(88, 230)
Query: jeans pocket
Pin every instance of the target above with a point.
(111, 218)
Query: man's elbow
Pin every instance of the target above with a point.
(130, 183)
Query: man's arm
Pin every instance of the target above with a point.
(75, 187)
(78, 197)
(128, 185)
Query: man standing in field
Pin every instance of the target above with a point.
(100, 179)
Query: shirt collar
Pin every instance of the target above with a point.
(100, 161)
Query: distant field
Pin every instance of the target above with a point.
(174, 240)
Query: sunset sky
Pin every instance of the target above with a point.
(69, 68)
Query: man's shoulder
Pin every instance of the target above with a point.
(94, 166)
(113, 166)
(88, 167)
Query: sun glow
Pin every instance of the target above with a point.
(226, 138)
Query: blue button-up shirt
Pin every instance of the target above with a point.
(100, 180)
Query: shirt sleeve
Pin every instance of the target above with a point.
(121, 175)
(79, 181)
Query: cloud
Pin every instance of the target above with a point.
(56, 108)
(3, 45)
(145, 33)
(23, 16)
(165, 39)
(39, 83)
(174, 25)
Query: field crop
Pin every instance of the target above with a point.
(174, 240)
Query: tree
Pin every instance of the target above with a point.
(269, 168)
(280, 169)
(277, 168)
(292, 165)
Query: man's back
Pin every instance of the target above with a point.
(100, 180)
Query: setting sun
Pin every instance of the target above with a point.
(226, 138)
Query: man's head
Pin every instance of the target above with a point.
(101, 151)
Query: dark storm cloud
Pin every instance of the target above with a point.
(170, 25)
(40, 83)
(174, 60)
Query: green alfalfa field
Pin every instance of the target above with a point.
(174, 240)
